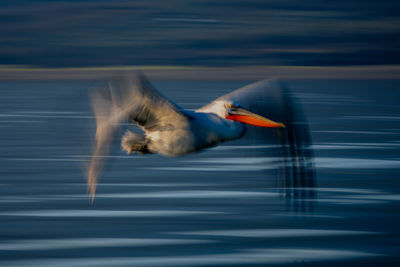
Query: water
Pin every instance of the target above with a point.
(220, 206)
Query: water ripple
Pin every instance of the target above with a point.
(75, 243)
(107, 213)
(276, 233)
(249, 256)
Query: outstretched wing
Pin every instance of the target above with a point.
(273, 100)
(127, 96)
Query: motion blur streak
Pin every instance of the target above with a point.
(199, 33)
(77, 243)
(249, 256)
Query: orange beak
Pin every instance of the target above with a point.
(244, 116)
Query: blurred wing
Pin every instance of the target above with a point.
(273, 100)
(127, 97)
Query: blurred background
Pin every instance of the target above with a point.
(223, 206)
(199, 33)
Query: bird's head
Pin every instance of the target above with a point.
(233, 111)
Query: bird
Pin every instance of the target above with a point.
(262, 110)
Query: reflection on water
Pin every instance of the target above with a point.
(352, 163)
(106, 213)
(243, 257)
(224, 206)
(276, 233)
(77, 243)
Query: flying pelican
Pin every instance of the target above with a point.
(259, 109)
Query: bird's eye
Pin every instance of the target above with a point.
(232, 106)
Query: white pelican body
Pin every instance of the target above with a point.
(172, 131)
(199, 131)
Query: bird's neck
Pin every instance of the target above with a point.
(216, 129)
(231, 130)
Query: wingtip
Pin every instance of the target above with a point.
(91, 191)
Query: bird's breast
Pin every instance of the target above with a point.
(203, 131)
(173, 142)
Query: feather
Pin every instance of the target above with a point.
(172, 131)
(127, 96)
(273, 100)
